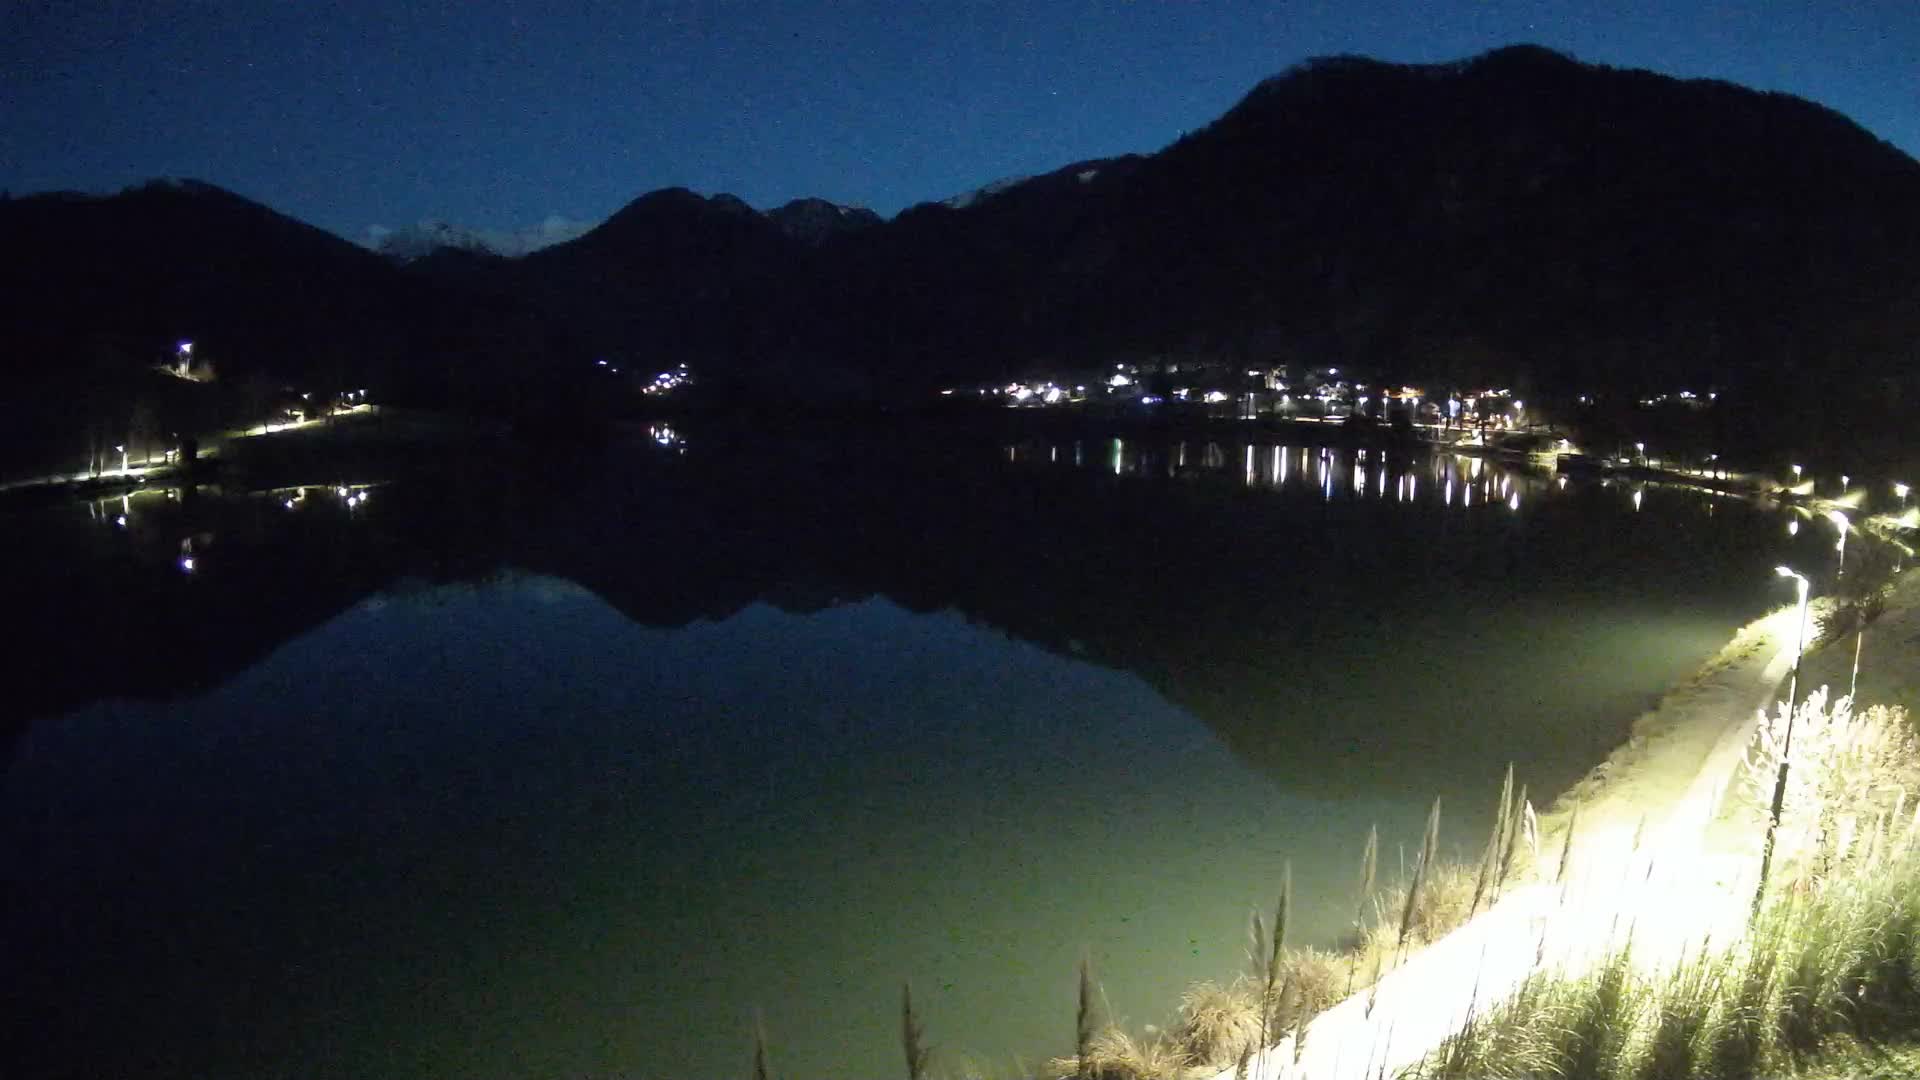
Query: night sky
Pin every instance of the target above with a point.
(493, 113)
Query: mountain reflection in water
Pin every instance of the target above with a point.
(1362, 630)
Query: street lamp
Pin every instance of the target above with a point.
(1786, 748)
(122, 450)
(1901, 490)
(1799, 641)
(1796, 474)
(1840, 522)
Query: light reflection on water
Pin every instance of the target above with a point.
(1351, 472)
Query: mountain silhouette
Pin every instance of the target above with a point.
(1518, 218)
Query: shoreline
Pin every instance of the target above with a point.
(1663, 852)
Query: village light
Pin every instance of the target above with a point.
(1796, 474)
(1840, 522)
(1901, 490)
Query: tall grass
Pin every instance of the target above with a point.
(912, 1036)
(1832, 953)
(759, 1047)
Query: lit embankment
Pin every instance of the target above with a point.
(1634, 862)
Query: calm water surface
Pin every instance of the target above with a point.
(567, 769)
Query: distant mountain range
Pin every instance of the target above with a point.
(425, 238)
(810, 221)
(1517, 218)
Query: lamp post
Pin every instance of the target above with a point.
(122, 450)
(1796, 474)
(1901, 491)
(1840, 522)
(1799, 640)
(1786, 748)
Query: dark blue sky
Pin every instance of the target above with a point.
(496, 113)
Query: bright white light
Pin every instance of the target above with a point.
(1900, 491)
(1636, 499)
(121, 521)
(186, 348)
(1513, 502)
(1839, 521)
(186, 563)
(1793, 527)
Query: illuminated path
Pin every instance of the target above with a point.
(1670, 891)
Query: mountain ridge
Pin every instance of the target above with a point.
(1518, 217)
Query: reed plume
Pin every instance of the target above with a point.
(912, 1036)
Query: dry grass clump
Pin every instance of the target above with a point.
(1217, 1024)
(1115, 1055)
(1318, 978)
(1443, 903)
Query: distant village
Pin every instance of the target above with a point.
(1323, 394)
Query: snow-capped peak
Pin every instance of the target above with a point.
(425, 238)
(966, 199)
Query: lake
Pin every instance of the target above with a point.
(570, 764)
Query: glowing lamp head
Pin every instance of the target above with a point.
(1839, 521)
(1900, 490)
(186, 563)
